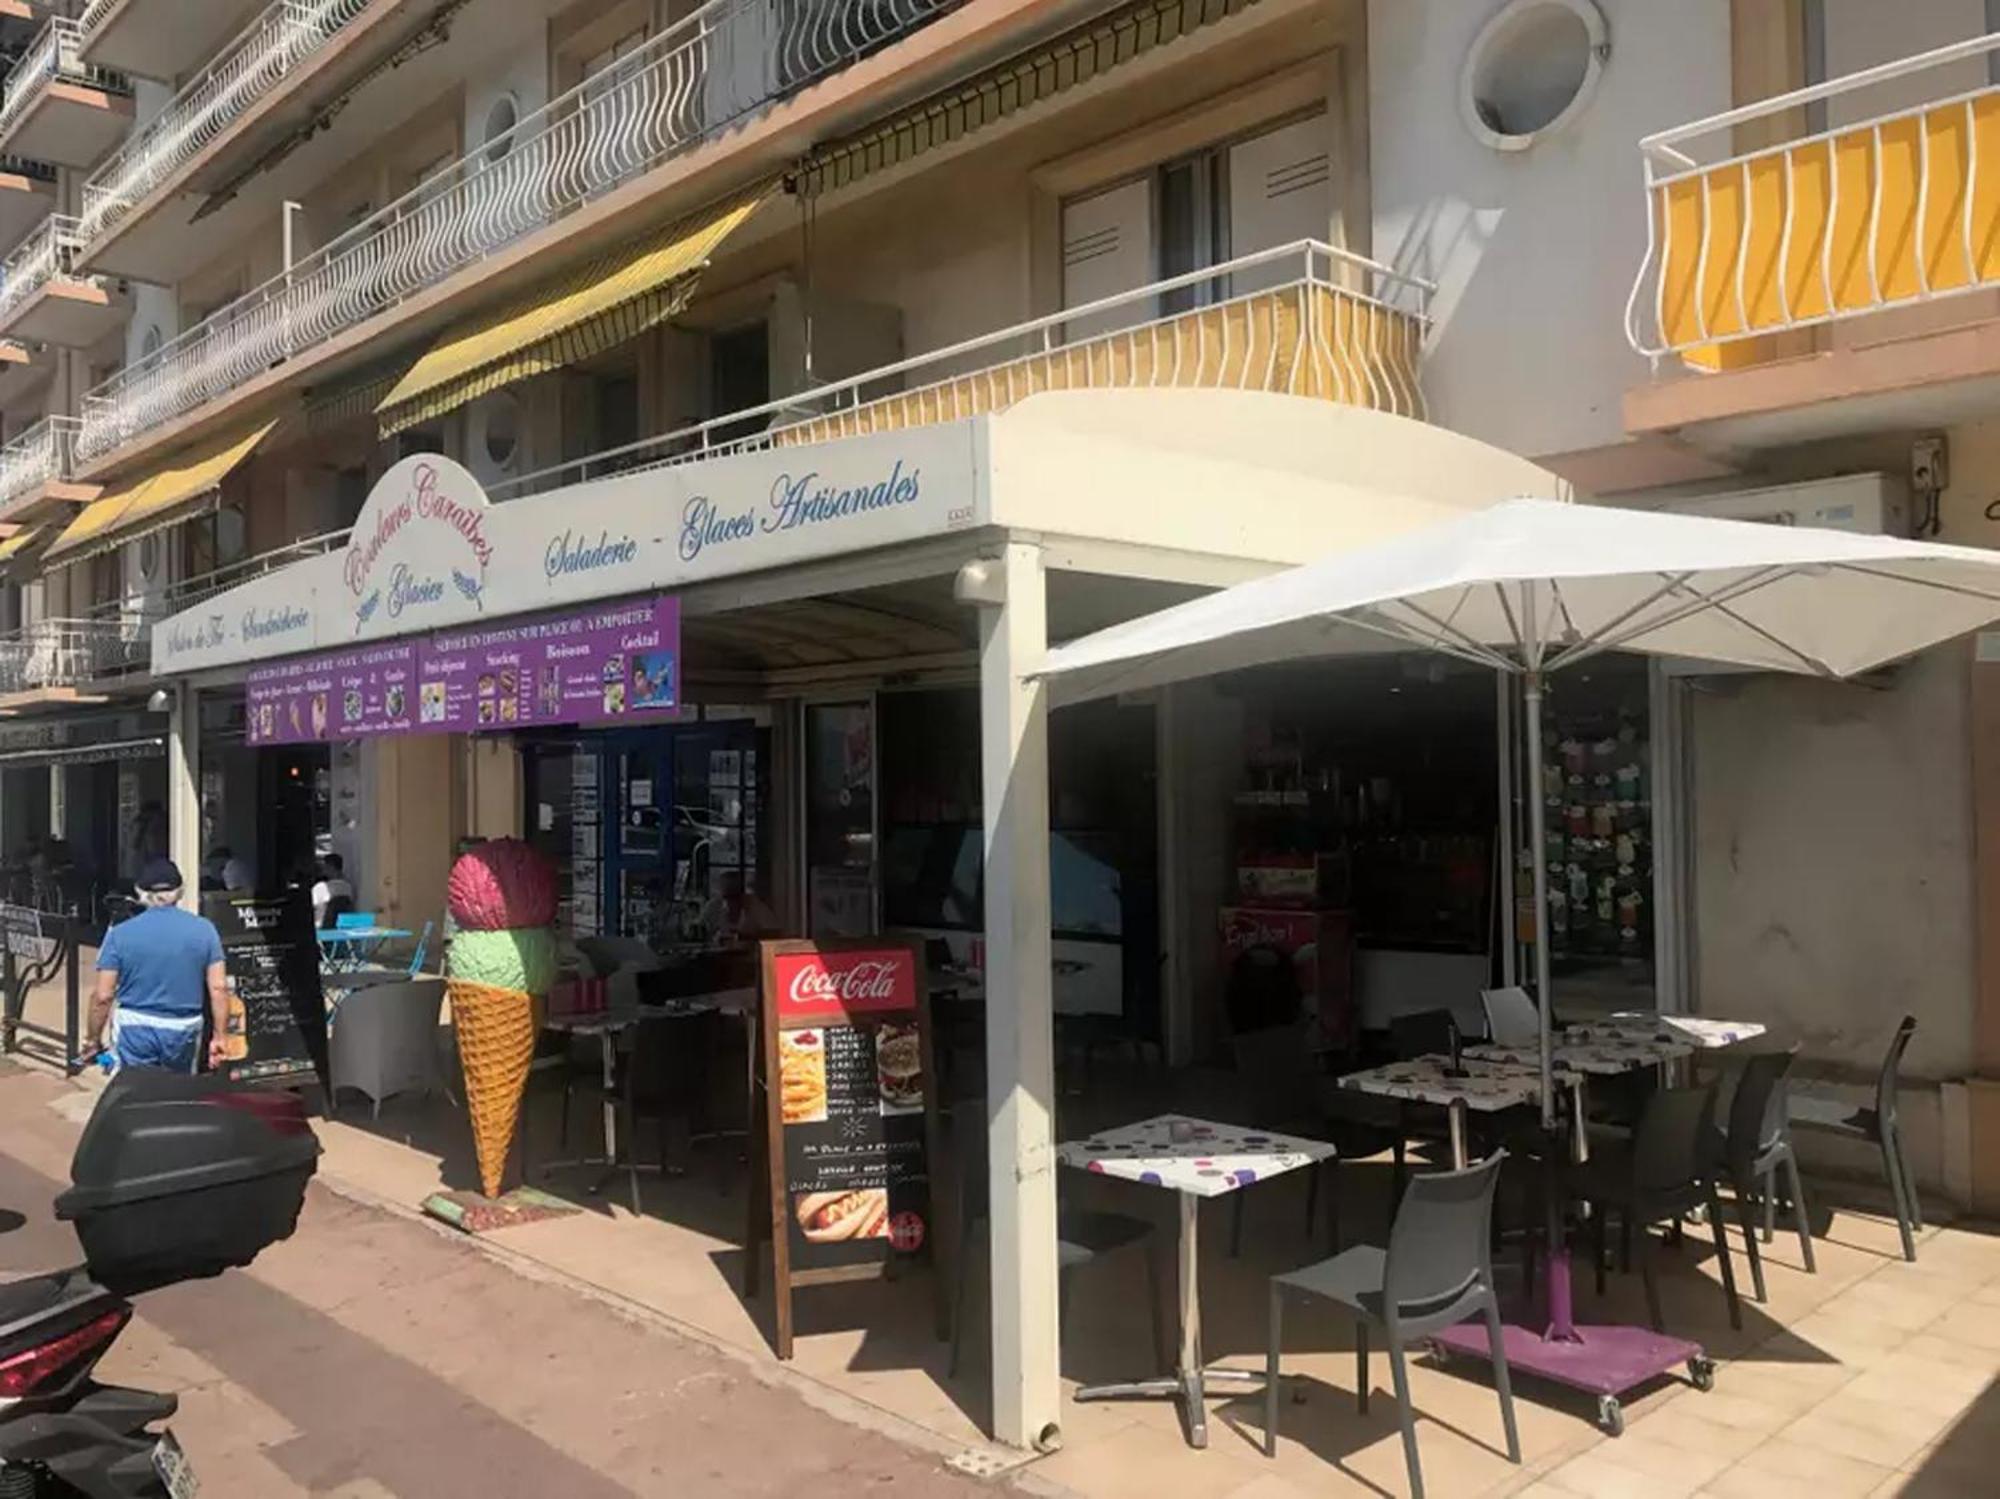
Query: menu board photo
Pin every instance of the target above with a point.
(851, 1122)
(578, 666)
(277, 1014)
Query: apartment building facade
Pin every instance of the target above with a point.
(257, 255)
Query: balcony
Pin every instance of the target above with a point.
(1896, 211)
(22, 371)
(52, 658)
(139, 205)
(685, 86)
(44, 299)
(1314, 321)
(34, 473)
(27, 196)
(56, 107)
(152, 40)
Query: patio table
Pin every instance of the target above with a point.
(1488, 1085)
(1703, 1032)
(1192, 1158)
(345, 947)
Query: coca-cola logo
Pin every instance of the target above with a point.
(809, 983)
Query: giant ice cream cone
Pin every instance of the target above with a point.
(496, 1044)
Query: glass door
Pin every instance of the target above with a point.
(840, 818)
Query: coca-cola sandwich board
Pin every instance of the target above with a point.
(847, 1113)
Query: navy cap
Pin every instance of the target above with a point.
(160, 874)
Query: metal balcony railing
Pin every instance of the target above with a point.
(48, 252)
(1891, 211)
(53, 54)
(267, 51)
(38, 456)
(73, 652)
(192, 591)
(683, 86)
(1319, 322)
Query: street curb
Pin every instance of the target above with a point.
(990, 1461)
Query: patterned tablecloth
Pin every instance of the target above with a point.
(1703, 1031)
(1603, 1055)
(1487, 1085)
(1215, 1159)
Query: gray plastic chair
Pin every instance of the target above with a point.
(1880, 1128)
(384, 1040)
(1665, 1173)
(1436, 1273)
(1759, 1141)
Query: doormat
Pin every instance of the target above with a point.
(475, 1214)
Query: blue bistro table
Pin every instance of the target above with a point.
(343, 947)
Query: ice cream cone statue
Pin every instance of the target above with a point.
(502, 896)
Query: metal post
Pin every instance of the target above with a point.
(1020, 1017)
(183, 790)
(1538, 835)
(1503, 709)
(72, 940)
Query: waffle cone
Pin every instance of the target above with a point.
(496, 1044)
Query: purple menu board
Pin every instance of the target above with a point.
(578, 667)
(582, 666)
(344, 695)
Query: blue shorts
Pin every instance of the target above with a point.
(142, 1039)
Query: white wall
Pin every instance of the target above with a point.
(1535, 251)
(1832, 830)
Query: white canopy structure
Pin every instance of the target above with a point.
(1530, 586)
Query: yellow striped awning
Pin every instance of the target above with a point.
(127, 511)
(595, 307)
(1077, 56)
(19, 543)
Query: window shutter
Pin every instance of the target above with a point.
(1280, 191)
(1107, 246)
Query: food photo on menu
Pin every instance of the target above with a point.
(802, 1076)
(899, 1068)
(836, 1217)
(430, 702)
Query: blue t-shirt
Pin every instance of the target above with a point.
(161, 957)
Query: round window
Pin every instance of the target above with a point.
(1531, 70)
(501, 417)
(149, 557)
(498, 132)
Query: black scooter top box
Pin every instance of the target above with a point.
(178, 1178)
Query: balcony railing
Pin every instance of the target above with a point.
(38, 456)
(45, 254)
(73, 652)
(685, 85)
(1893, 211)
(1323, 323)
(191, 591)
(263, 54)
(52, 55)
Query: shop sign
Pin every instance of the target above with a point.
(420, 548)
(429, 550)
(847, 1122)
(581, 666)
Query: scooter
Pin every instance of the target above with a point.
(175, 1178)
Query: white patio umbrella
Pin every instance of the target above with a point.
(1533, 586)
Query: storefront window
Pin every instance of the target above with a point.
(840, 818)
(1597, 786)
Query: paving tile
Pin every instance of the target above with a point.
(1596, 1476)
(1787, 1470)
(1874, 1431)
(1683, 1427)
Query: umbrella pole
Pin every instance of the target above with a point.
(1538, 817)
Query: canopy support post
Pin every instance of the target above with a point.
(1020, 1014)
(1503, 699)
(184, 789)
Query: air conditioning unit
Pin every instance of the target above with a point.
(1877, 504)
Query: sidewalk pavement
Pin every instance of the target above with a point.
(369, 1356)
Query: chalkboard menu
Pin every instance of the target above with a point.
(277, 1016)
(847, 1115)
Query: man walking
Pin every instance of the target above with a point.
(155, 972)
